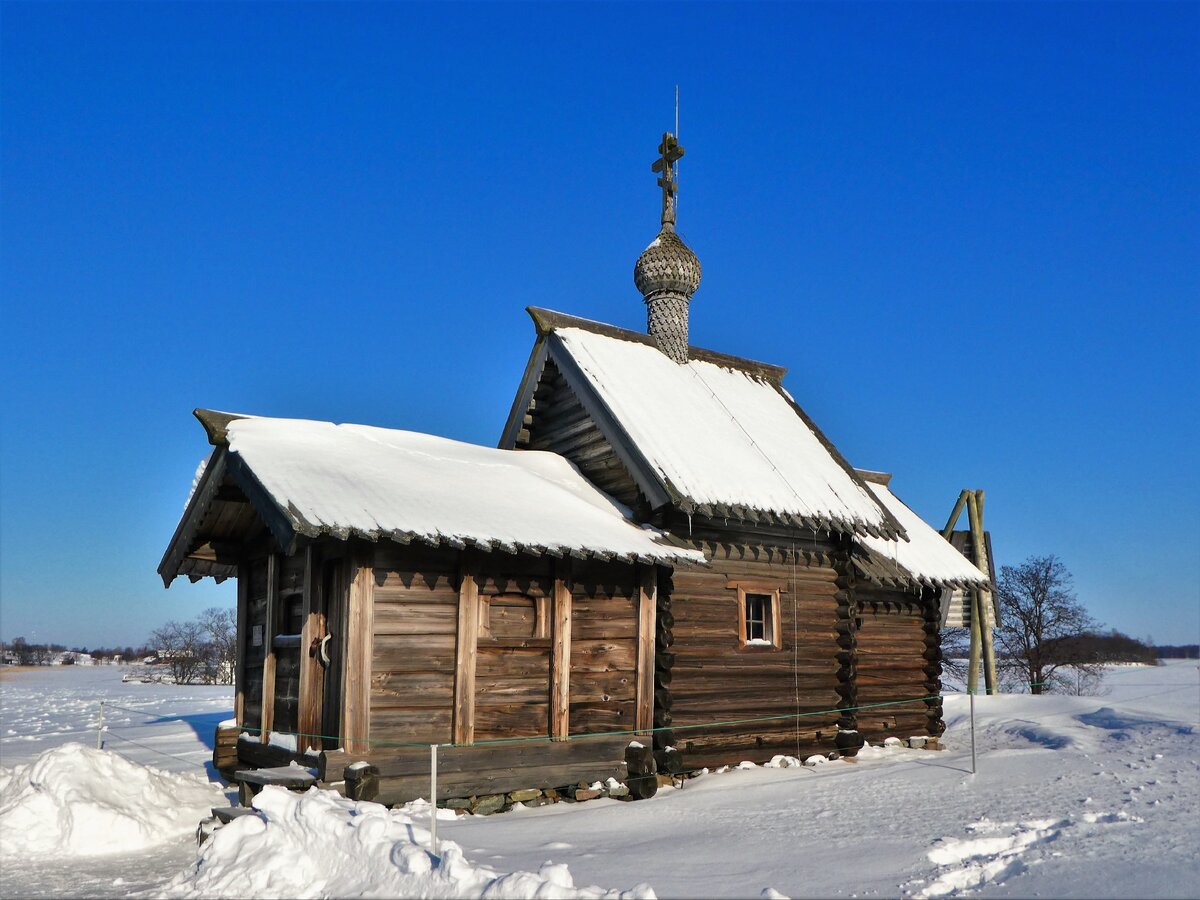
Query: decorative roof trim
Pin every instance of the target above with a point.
(185, 531)
(883, 478)
(547, 321)
(216, 424)
(529, 384)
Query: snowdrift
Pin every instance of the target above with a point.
(319, 844)
(74, 800)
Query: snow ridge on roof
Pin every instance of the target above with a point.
(719, 437)
(927, 557)
(359, 480)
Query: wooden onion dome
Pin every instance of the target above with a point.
(668, 272)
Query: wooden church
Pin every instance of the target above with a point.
(663, 549)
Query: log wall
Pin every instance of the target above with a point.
(896, 631)
(715, 677)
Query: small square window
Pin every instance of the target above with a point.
(758, 617)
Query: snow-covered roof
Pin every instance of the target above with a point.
(362, 481)
(925, 558)
(720, 438)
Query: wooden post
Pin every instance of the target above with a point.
(360, 644)
(987, 620)
(312, 676)
(958, 508)
(647, 622)
(976, 642)
(239, 662)
(268, 685)
(466, 648)
(560, 679)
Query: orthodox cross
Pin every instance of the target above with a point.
(669, 153)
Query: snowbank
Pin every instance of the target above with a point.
(318, 844)
(73, 800)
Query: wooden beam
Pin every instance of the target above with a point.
(647, 624)
(268, 685)
(239, 664)
(360, 645)
(312, 676)
(466, 649)
(958, 508)
(560, 677)
(986, 620)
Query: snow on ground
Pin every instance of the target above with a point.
(321, 845)
(79, 801)
(1074, 797)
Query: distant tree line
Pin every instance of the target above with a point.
(201, 651)
(1178, 651)
(31, 654)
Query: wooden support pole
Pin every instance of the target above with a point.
(312, 675)
(958, 508)
(466, 649)
(560, 681)
(268, 681)
(647, 625)
(986, 618)
(360, 644)
(243, 637)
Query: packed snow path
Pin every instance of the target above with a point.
(1074, 797)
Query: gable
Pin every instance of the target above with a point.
(556, 421)
(716, 436)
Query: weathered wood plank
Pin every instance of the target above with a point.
(560, 673)
(268, 682)
(647, 606)
(356, 700)
(465, 654)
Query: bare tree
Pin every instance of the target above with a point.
(1041, 621)
(181, 646)
(220, 632)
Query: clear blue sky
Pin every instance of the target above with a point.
(970, 231)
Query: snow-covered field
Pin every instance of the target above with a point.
(1074, 797)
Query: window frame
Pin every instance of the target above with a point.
(772, 627)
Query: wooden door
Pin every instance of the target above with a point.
(331, 649)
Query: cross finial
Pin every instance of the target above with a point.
(669, 153)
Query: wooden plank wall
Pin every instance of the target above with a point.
(604, 647)
(892, 642)
(715, 679)
(287, 657)
(513, 662)
(254, 657)
(413, 663)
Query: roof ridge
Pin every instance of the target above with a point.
(548, 320)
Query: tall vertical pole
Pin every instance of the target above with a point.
(976, 640)
(433, 838)
(972, 696)
(100, 729)
(975, 516)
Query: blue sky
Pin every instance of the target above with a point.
(970, 232)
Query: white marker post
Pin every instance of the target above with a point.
(433, 840)
(100, 729)
(972, 695)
